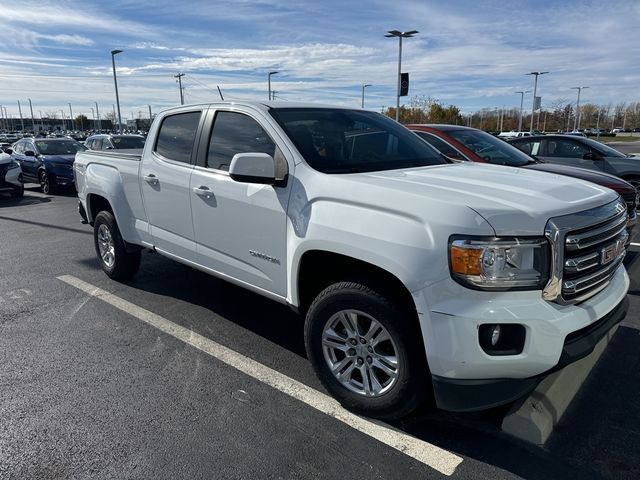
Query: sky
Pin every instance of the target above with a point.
(470, 53)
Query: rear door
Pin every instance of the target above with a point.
(567, 151)
(240, 228)
(165, 176)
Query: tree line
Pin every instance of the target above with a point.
(559, 115)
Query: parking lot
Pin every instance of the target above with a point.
(98, 385)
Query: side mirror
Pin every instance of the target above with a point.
(253, 168)
(29, 153)
(592, 156)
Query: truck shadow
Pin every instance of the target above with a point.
(598, 437)
(275, 322)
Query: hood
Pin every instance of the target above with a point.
(5, 158)
(59, 158)
(515, 201)
(600, 178)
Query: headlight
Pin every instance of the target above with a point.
(499, 264)
(13, 164)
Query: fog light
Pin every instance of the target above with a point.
(496, 331)
(502, 339)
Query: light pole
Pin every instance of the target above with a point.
(33, 122)
(269, 83)
(21, 119)
(364, 85)
(115, 82)
(400, 35)
(71, 117)
(521, 102)
(535, 89)
(98, 117)
(64, 124)
(576, 120)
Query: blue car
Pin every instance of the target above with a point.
(47, 161)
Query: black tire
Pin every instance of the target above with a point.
(18, 193)
(635, 181)
(46, 185)
(125, 264)
(409, 389)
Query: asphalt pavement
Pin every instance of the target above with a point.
(89, 390)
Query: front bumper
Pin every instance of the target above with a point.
(461, 395)
(451, 315)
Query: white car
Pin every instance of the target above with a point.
(514, 134)
(10, 176)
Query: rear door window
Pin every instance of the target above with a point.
(177, 135)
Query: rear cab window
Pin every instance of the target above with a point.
(176, 136)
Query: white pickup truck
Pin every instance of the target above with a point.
(461, 283)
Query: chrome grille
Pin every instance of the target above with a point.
(587, 249)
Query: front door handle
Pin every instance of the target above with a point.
(151, 179)
(203, 191)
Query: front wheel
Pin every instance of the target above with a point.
(18, 193)
(45, 183)
(367, 350)
(116, 262)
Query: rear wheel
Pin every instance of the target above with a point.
(116, 262)
(367, 350)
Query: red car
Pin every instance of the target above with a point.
(470, 144)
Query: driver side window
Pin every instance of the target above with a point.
(566, 149)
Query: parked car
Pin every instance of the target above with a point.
(114, 142)
(618, 130)
(47, 161)
(10, 176)
(414, 276)
(514, 134)
(464, 143)
(583, 153)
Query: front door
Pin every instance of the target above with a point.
(165, 175)
(240, 228)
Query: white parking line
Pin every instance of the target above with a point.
(635, 244)
(435, 457)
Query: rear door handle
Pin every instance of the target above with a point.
(203, 191)
(151, 179)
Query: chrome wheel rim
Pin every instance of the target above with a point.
(360, 353)
(105, 246)
(44, 183)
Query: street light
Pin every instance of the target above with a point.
(115, 82)
(364, 85)
(521, 101)
(269, 83)
(400, 35)
(576, 120)
(535, 89)
(71, 117)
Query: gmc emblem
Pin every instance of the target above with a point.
(609, 253)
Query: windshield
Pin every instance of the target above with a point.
(127, 142)
(605, 149)
(59, 147)
(490, 148)
(350, 141)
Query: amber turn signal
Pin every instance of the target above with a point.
(465, 261)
